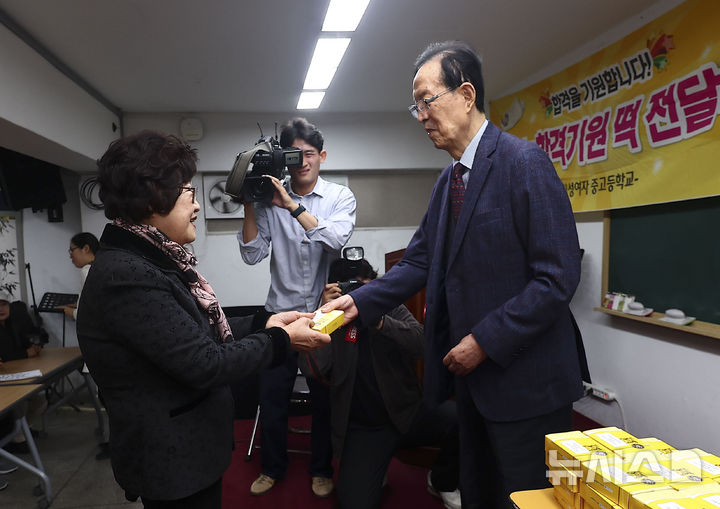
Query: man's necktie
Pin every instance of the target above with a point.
(457, 190)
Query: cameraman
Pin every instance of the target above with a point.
(376, 400)
(308, 222)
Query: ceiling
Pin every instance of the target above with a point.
(252, 55)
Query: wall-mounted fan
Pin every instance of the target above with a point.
(217, 204)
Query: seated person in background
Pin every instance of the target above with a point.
(376, 401)
(83, 247)
(19, 337)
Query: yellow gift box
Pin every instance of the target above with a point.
(566, 498)
(328, 322)
(594, 500)
(614, 438)
(662, 468)
(570, 479)
(618, 481)
(707, 495)
(702, 463)
(648, 444)
(569, 448)
(663, 499)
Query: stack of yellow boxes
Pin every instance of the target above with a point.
(608, 468)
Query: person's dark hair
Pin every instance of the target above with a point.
(459, 63)
(85, 239)
(300, 128)
(346, 270)
(141, 174)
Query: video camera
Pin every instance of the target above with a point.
(267, 158)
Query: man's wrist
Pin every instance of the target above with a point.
(296, 211)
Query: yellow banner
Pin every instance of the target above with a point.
(634, 123)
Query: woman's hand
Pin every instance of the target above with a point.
(286, 318)
(298, 326)
(303, 338)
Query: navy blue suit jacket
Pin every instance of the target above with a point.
(507, 277)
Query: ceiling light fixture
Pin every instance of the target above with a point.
(310, 100)
(324, 63)
(344, 15)
(341, 16)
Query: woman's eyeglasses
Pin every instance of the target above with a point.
(191, 189)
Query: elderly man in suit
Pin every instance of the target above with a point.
(498, 252)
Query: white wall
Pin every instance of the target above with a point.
(666, 380)
(45, 247)
(387, 142)
(45, 114)
(378, 141)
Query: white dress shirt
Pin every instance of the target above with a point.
(300, 259)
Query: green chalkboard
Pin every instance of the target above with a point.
(668, 256)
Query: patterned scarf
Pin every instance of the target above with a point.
(200, 289)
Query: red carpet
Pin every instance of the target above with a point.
(406, 484)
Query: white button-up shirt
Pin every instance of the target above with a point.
(300, 259)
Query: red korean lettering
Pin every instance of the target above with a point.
(662, 121)
(625, 125)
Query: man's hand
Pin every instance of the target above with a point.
(331, 291)
(281, 198)
(344, 303)
(33, 351)
(286, 318)
(465, 356)
(303, 338)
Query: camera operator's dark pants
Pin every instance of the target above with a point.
(275, 388)
(367, 451)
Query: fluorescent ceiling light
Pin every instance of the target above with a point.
(344, 15)
(310, 100)
(324, 63)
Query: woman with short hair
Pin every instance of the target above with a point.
(156, 340)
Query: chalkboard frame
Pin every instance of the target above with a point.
(704, 328)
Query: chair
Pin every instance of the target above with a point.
(300, 403)
(245, 392)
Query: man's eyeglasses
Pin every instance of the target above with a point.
(72, 248)
(423, 104)
(191, 189)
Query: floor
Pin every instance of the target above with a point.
(79, 481)
(68, 455)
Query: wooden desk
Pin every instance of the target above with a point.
(11, 397)
(535, 499)
(55, 364)
(52, 363)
